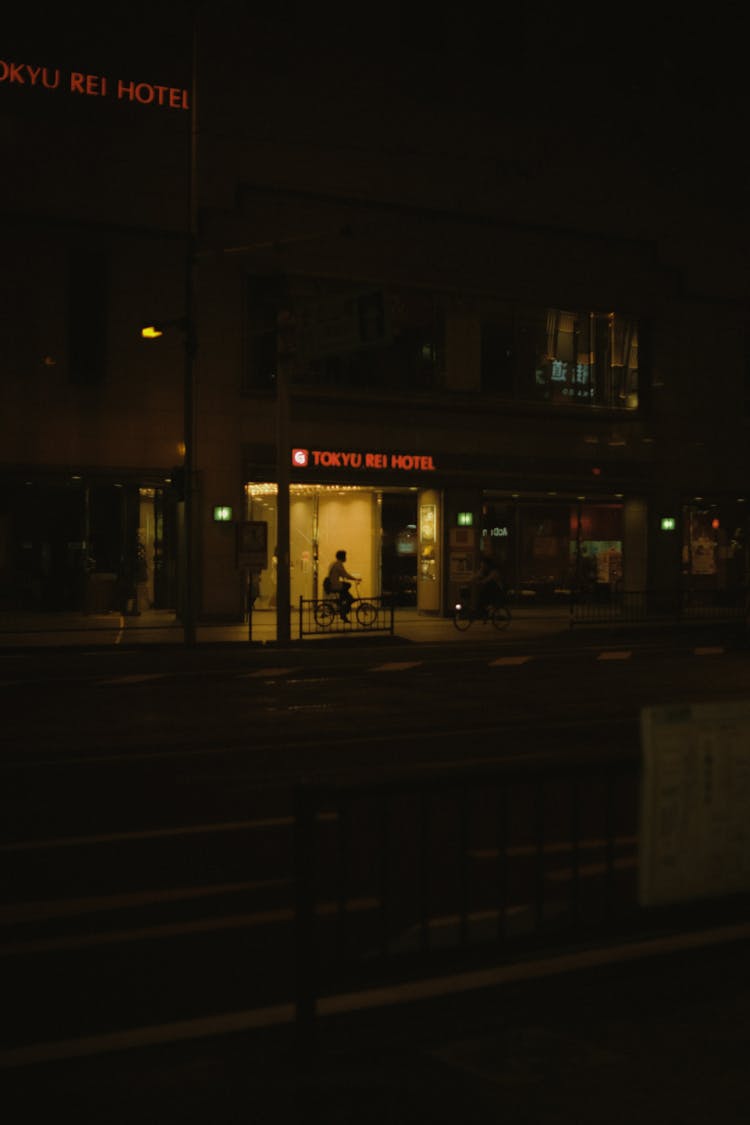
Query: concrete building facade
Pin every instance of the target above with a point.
(430, 328)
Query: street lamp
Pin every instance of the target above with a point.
(154, 332)
(186, 324)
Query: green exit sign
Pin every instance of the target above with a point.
(465, 519)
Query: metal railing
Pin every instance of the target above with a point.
(658, 605)
(404, 880)
(320, 617)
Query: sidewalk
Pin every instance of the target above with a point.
(162, 627)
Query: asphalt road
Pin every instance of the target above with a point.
(148, 843)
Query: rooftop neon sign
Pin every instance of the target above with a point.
(92, 85)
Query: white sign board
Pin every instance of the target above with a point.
(694, 838)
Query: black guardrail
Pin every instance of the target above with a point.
(322, 616)
(657, 605)
(402, 880)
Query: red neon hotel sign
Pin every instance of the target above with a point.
(92, 85)
(337, 459)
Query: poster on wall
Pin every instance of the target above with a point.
(703, 557)
(427, 523)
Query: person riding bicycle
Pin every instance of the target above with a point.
(488, 585)
(337, 573)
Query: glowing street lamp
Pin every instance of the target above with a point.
(187, 324)
(156, 330)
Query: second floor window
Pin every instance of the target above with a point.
(561, 357)
(361, 338)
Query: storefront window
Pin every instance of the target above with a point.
(346, 336)
(714, 546)
(596, 548)
(545, 551)
(323, 519)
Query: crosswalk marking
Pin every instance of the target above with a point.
(397, 666)
(617, 654)
(509, 660)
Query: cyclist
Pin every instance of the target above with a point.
(488, 585)
(337, 573)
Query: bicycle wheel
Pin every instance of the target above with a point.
(367, 615)
(462, 618)
(324, 615)
(500, 616)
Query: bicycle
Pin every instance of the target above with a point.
(332, 606)
(464, 615)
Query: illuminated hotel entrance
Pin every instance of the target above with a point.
(390, 536)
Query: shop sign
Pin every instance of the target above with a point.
(92, 85)
(355, 459)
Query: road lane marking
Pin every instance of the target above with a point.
(617, 654)
(397, 666)
(561, 847)
(281, 915)
(17, 913)
(509, 660)
(267, 673)
(146, 834)
(156, 833)
(133, 678)
(367, 999)
(151, 1036)
(709, 650)
(147, 933)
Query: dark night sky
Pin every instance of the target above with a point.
(647, 86)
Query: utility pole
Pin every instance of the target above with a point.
(189, 611)
(284, 364)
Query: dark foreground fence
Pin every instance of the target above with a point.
(659, 605)
(405, 880)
